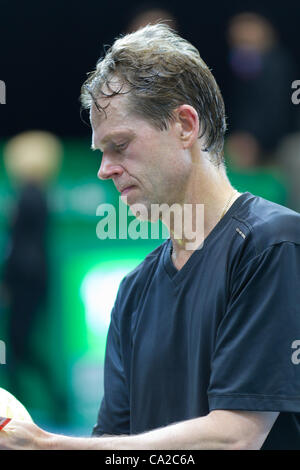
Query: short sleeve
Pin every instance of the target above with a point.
(114, 414)
(252, 365)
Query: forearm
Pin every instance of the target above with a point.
(199, 433)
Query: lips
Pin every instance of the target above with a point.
(126, 190)
(123, 189)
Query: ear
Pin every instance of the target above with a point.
(188, 121)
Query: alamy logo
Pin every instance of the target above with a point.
(296, 94)
(187, 222)
(296, 354)
(2, 92)
(2, 352)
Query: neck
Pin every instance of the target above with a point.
(208, 197)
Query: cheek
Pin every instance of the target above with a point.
(156, 159)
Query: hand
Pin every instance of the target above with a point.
(19, 435)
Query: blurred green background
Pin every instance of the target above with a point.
(70, 333)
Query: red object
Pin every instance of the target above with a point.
(4, 422)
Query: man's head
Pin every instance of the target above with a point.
(158, 71)
(251, 31)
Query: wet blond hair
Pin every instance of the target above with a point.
(159, 71)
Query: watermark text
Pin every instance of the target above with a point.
(296, 354)
(2, 92)
(2, 352)
(296, 93)
(185, 222)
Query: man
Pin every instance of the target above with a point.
(201, 346)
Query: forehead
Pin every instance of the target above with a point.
(118, 119)
(115, 115)
(110, 110)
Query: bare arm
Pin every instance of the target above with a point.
(220, 429)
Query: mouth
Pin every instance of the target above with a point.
(126, 190)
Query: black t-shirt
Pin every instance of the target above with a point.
(223, 332)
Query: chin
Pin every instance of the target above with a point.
(140, 210)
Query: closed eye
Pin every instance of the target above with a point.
(121, 147)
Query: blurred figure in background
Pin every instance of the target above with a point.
(31, 158)
(150, 13)
(259, 108)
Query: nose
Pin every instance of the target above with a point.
(108, 169)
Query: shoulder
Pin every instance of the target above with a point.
(266, 224)
(266, 257)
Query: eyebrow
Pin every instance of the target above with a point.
(108, 137)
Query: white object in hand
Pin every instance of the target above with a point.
(10, 407)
